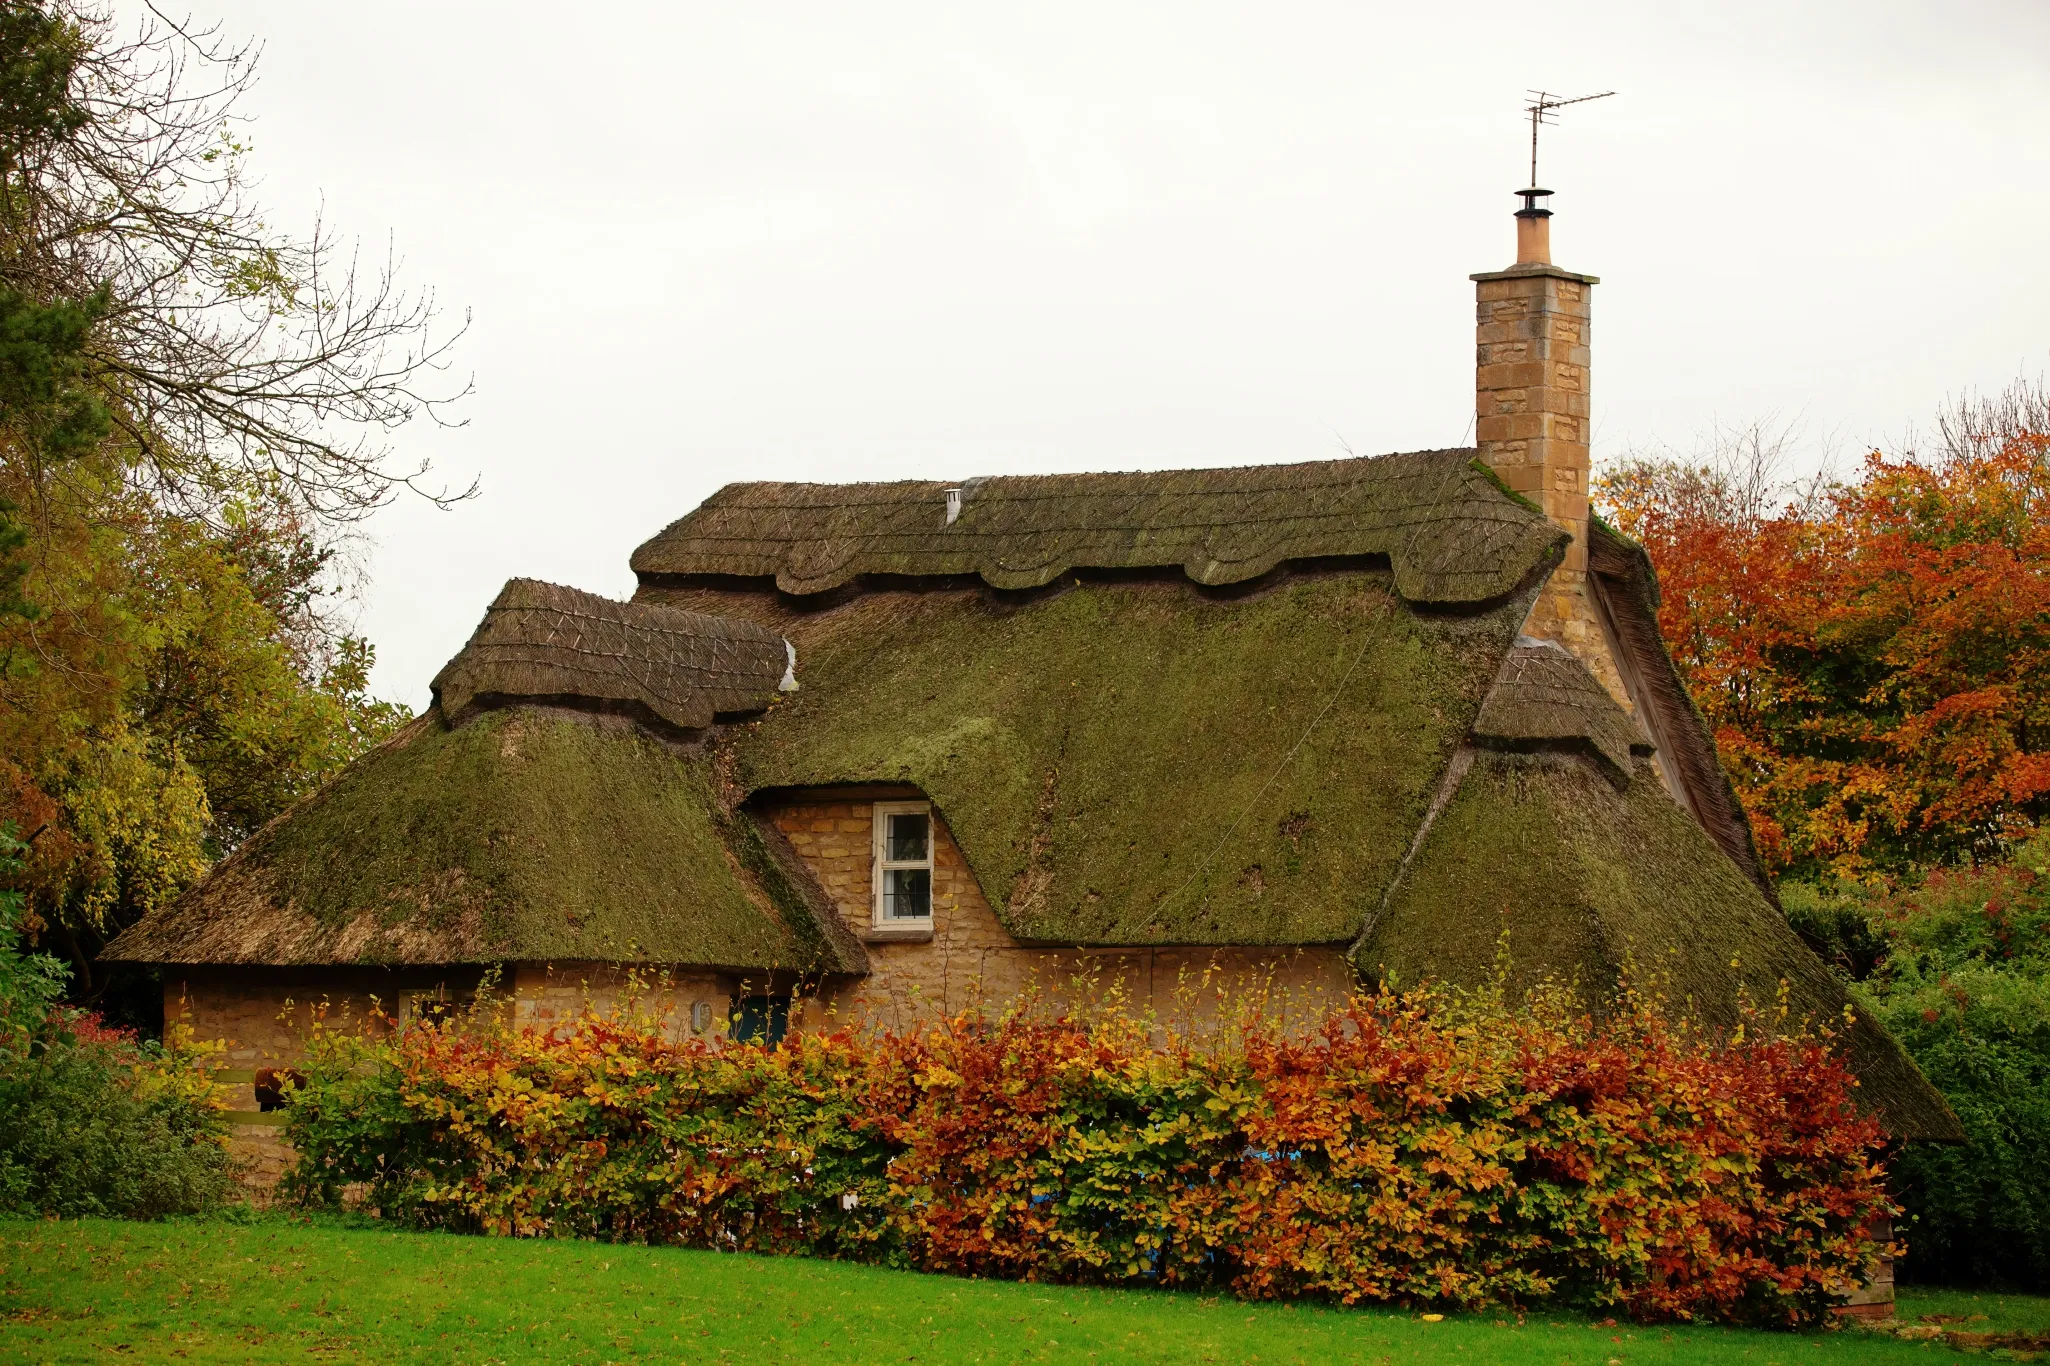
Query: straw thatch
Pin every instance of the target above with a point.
(543, 641)
(1588, 880)
(1443, 521)
(1544, 698)
(528, 834)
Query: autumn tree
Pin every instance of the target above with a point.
(1871, 652)
(192, 407)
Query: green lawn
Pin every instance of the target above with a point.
(279, 1290)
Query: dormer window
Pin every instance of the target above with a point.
(903, 865)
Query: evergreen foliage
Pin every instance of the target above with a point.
(1958, 969)
(92, 1120)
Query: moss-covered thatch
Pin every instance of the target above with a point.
(1544, 698)
(526, 834)
(1585, 879)
(1451, 532)
(1625, 592)
(1134, 762)
(541, 640)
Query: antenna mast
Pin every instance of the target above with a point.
(1541, 112)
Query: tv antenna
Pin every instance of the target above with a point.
(1542, 111)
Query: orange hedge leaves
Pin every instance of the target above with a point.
(1416, 1148)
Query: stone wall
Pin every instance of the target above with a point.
(1532, 416)
(264, 1014)
(261, 1155)
(688, 1004)
(968, 958)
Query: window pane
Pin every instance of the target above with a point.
(760, 1019)
(907, 838)
(907, 893)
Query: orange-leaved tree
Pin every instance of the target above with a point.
(1870, 653)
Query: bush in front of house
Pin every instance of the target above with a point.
(1957, 967)
(95, 1122)
(1421, 1148)
(92, 1120)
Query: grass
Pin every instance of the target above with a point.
(281, 1290)
(1979, 1311)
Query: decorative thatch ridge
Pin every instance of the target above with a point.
(542, 640)
(1451, 532)
(1544, 698)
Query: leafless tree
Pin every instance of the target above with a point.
(1740, 473)
(232, 356)
(1976, 424)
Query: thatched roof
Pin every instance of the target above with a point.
(528, 834)
(544, 641)
(1544, 698)
(1625, 590)
(1587, 878)
(1138, 761)
(1449, 530)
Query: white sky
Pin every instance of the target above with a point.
(807, 241)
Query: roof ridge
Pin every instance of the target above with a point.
(1461, 540)
(684, 668)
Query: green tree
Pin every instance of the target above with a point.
(1957, 967)
(192, 407)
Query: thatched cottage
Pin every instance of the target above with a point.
(896, 747)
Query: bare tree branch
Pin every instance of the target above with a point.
(227, 352)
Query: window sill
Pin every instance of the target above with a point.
(898, 934)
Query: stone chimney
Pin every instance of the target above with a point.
(1531, 419)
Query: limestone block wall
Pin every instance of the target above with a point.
(545, 994)
(1532, 419)
(261, 1157)
(971, 960)
(264, 1015)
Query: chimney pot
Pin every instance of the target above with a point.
(1534, 228)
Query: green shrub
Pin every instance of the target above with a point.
(1979, 1214)
(93, 1121)
(1961, 977)
(98, 1125)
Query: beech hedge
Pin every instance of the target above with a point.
(1421, 1148)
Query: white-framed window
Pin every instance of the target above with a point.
(903, 864)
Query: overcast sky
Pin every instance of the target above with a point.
(713, 242)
